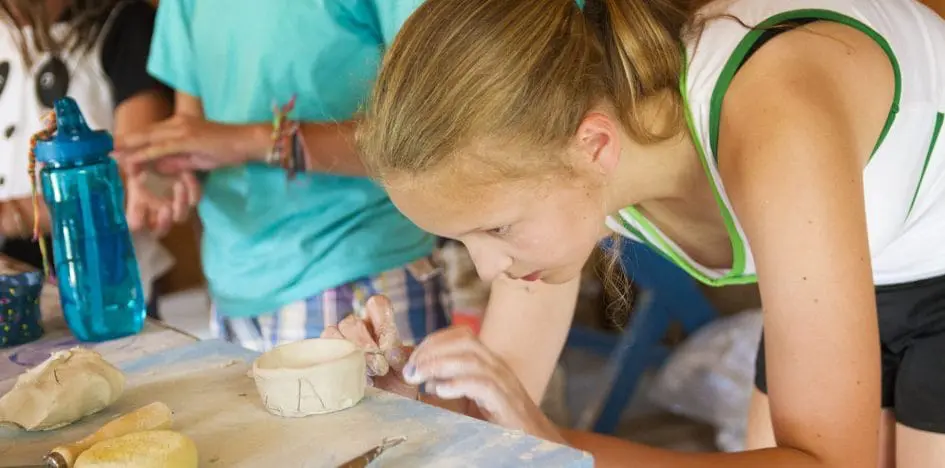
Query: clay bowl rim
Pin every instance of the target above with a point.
(262, 369)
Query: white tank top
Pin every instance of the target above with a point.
(904, 180)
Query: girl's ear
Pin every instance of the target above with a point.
(598, 143)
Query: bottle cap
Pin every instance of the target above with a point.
(74, 142)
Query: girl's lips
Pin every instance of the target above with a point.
(532, 276)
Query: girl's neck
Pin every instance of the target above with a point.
(670, 170)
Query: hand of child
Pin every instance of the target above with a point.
(453, 363)
(13, 223)
(154, 208)
(185, 143)
(377, 335)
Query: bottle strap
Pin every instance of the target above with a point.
(49, 128)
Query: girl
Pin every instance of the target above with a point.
(95, 52)
(286, 248)
(791, 143)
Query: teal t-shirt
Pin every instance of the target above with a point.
(269, 241)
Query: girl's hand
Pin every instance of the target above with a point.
(453, 364)
(14, 223)
(377, 335)
(154, 208)
(187, 143)
(17, 218)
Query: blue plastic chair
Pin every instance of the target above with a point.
(665, 295)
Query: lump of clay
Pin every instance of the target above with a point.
(65, 388)
(148, 449)
(316, 376)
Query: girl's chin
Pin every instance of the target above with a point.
(559, 276)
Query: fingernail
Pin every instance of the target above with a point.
(411, 375)
(446, 392)
(368, 381)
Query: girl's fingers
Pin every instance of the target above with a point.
(450, 342)
(162, 220)
(483, 391)
(356, 331)
(135, 218)
(180, 204)
(332, 331)
(171, 165)
(448, 366)
(446, 338)
(193, 187)
(156, 134)
(429, 387)
(136, 212)
(380, 313)
(171, 148)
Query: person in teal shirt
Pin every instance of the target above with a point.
(286, 256)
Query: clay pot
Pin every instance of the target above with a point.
(315, 376)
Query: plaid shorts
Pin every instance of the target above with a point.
(417, 291)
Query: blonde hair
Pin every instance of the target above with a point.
(466, 76)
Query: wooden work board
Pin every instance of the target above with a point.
(215, 403)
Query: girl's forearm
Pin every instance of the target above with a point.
(613, 452)
(331, 148)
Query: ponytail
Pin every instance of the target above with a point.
(642, 55)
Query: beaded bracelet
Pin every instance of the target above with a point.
(288, 147)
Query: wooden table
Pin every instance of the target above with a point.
(216, 404)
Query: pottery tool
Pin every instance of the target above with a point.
(153, 417)
(365, 458)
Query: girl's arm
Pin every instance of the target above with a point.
(185, 104)
(526, 324)
(794, 171)
(330, 146)
(141, 110)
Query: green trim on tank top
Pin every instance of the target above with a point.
(939, 119)
(668, 255)
(744, 46)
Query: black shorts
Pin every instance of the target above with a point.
(912, 333)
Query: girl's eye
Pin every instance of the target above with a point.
(500, 231)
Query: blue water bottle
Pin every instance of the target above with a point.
(99, 282)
